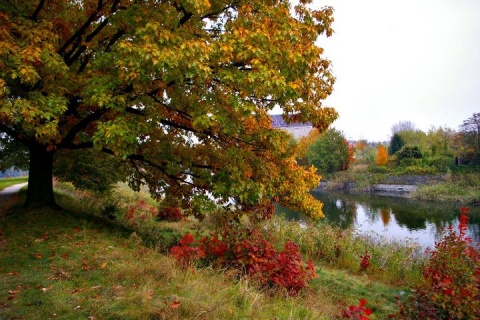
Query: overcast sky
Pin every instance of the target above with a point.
(408, 60)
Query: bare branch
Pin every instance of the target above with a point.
(83, 28)
(114, 39)
(39, 8)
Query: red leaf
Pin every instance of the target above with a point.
(175, 305)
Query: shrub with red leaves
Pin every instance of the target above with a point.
(185, 253)
(365, 261)
(256, 257)
(357, 312)
(452, 274)
(170, 214)
(253, 255)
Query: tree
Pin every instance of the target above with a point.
(441, 141)
(330, 152)
(403, 126)
(303, 144)
(470, 136)
(382, 155)
(179, 90)
(396, 143)
(12, 154)
(410, 134)
(364, 152)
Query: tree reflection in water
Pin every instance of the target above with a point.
(393, 218)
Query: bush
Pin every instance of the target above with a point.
(378, 169)
(452, 279)
(185, 254)
(252, 255)
(170, 214)
(442, 163)
(409, 155)
(357, 312)
(330, 152)
(416, 170)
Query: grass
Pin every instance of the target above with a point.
(7, 182)
(84, 264)
(459, 187)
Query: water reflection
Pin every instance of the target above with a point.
(392, 218)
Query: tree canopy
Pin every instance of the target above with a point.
(470, 134)
(396, 143)
(330, 152)
(178, 90)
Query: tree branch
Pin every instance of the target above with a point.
(82, 124)
(39, 8)
(114, 39)
(11, 132)
(15, 135)
(83, 28)
(186, 15)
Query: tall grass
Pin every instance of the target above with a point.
(94, 261)
(392, 262)
(460, 188)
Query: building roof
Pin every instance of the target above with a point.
(278, 122)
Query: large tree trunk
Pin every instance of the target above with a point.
(40, 184)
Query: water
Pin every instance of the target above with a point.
(395, 219)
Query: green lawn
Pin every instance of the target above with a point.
(7, 182)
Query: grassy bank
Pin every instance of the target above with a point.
(7, 182)
(459, 187)
(92, 263)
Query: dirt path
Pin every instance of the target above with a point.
(9, 196)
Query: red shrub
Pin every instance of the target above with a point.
(258, 259)
(365, 261)
(357, 312)
(170, 214)
(452, 274)
(250, 253)
(130, 214)
(185, 254)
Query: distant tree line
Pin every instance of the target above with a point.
(409, 149)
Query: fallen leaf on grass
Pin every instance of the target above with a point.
(59, 274)
(149, 294)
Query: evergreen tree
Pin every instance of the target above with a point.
(396, 143)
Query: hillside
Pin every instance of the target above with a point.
(83, 266)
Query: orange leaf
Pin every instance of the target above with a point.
(175, 305)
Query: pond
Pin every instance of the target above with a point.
(397, 219)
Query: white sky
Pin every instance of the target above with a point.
(408, 60)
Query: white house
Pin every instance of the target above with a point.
(298, 130)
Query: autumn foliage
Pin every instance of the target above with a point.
(252, 255)
(360, 312)
(178, 91)
(382, 155)
(452, 279)
(170, 214)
